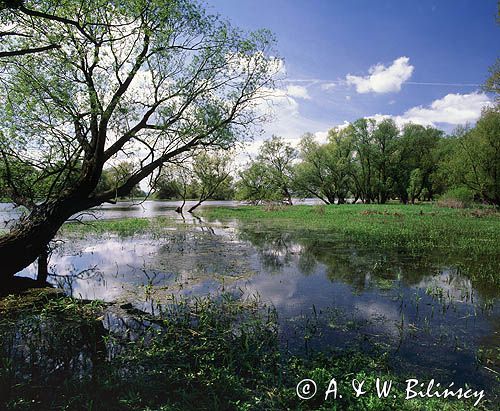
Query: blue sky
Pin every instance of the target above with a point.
(347, 59)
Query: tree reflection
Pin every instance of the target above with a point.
(360, 266)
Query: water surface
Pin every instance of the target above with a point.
(422, 309)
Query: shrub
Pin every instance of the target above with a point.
(458, 197)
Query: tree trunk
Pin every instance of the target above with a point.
(26, 242)
(43, 266)
(330, 197)
(287, 195)
(195, 206)
(181, 207)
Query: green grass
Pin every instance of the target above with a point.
(204, 354)
(414, 228)
(122, 226)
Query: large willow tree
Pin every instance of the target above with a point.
(85, 84)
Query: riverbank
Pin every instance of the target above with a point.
(203, 354)
(414, 228)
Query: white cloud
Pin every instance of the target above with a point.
(321, 136)
(278, 103)
(383, 79)
(400, 121)
(298, 92)
(451, 109)
(282, 109)
(252, 148)
(328, 86)
(339, 127)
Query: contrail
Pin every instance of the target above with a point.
(415, 83)
(419, 83)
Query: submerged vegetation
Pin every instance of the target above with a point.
(205, 354)
(468, 237)
(413, 228)
(465, 238)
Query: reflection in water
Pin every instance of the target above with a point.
(50, 348)
(44, 348)
(328, 293)
(422, 308)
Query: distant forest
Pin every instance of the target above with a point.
(366, 161)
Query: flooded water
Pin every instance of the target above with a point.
(424, 310)
(130, 209)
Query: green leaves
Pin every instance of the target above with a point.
(154, 78)
(474, 158)
(270, 177)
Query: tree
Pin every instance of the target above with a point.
(361, 133)
(312, 175)
(155, 79)
(270, 177)
(492, 84)
(211, 172)
(415, 184)
(325, 170)
(254, 184)
(168, 187)
(340, 162)
(12, 34)
(385, 143)
(115, 176)
(277, 157)
(175, 182)
(417, 154)
(475, 161)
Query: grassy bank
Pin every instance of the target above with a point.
(414, 228)
(205, 354)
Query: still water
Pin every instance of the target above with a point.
(130, 209)
(423, 309)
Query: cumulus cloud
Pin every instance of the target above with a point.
(382, 79)
(281, 107)
(451, 109)
(321, 136)
(298, 92)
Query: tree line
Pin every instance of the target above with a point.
(374, 162)
(366, 161)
